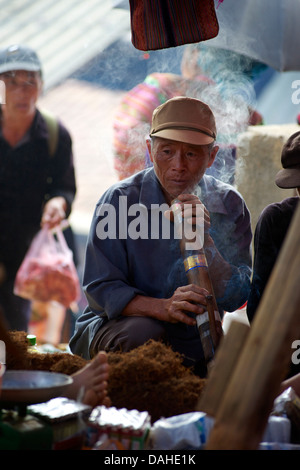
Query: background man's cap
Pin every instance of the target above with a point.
(18, 57)
(289, 176)
(185, 120)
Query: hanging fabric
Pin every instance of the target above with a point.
(159, 24)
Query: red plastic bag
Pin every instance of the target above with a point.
(48, 271)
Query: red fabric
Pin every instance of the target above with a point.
(159, 24)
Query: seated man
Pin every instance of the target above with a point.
(134, 278)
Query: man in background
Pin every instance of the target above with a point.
(273, 225)
(36, 186)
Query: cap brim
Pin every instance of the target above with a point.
(10, 66)
(288, 178)
(184, 135)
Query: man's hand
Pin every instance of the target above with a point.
(193, 210)
(54, 212)
(186, 299)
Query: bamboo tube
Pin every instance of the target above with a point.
(264, 361)
(197, 273)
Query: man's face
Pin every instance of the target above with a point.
(22, 90)
(180, 166)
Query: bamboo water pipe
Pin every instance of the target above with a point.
(196, 269)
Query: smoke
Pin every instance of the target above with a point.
(121, 66)
(225, 81)
(230, 91)
(221, 78)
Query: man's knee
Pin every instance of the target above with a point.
(142, 330)
(127, 333)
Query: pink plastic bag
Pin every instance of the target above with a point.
(48, 271)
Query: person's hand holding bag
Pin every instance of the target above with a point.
(48, 271)
(54, 212)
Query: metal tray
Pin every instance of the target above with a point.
(29, 387)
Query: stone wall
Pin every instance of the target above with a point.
(258, 161)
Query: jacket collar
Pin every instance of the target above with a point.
(211, 192)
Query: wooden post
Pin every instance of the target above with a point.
(264, 361)
(224, 363)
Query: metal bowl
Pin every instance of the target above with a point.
(29, 387)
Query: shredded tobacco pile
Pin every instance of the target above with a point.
(152, 378)
(52, 362)
(149, 378)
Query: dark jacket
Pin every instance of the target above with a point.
(270, 232)
(29, 176)
(118, 267)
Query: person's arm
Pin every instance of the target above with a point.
(61, 180)
(232, 236)
(173, 310)
(265, 254)
(230, 270)
(293, 382)
(219, 269)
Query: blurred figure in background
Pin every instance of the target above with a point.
(37, 180)
(273, 225)
(274, 222)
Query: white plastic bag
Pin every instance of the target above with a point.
(188, 430)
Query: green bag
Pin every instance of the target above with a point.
(52, 126)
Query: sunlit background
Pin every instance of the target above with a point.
(89, 64)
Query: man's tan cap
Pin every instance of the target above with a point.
(184, 119)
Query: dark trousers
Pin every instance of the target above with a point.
(126, 333)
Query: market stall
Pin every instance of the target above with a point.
(156, 403)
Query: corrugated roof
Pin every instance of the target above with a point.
(66, 34)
